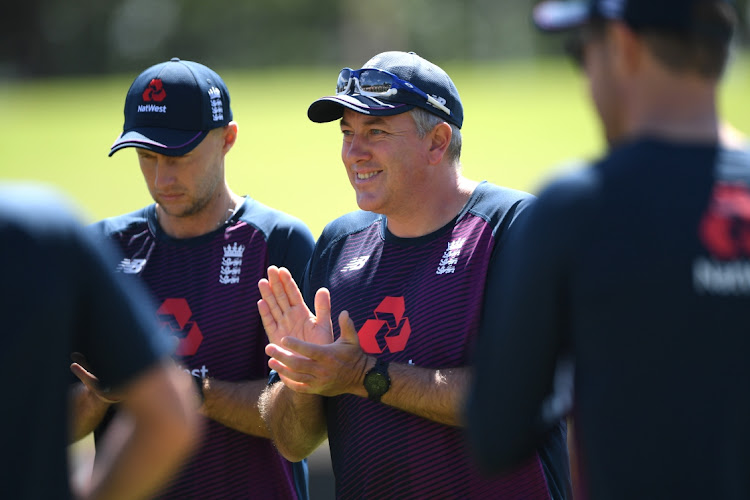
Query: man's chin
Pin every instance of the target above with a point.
(368, 204)
(174, 209)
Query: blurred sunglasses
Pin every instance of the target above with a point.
(379, 83)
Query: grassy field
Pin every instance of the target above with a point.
(522, 121)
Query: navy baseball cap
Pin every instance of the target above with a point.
(171, 107)
(673, 15)
(409, 67)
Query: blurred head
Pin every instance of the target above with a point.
(687, 38)
(171, 107)
(691, 36)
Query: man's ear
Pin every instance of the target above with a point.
(230, 136)
(440, 139)
(626, 49)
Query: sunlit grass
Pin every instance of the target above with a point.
(522, 120)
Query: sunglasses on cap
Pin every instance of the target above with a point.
(380, 83)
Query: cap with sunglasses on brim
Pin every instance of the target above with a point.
(418, 83)
(171, 107)
(671, 15)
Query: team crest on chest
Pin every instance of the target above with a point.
(449, 259)
(231, 264)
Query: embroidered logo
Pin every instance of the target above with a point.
(131, 266)
(217, 108)
(155, 91)
(450, 257)
(439, 99)
(390, 329)
(178, 320)
(355, 264)
(231, 264)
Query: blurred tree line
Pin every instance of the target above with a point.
(52, 37)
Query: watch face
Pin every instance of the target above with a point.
(376, 383)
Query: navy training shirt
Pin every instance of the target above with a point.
(638, 268)
(206, 290)
(417, 301)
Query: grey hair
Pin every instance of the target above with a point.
(426, 121)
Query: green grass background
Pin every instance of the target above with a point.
(523, 120)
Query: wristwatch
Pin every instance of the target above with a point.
(377, 382)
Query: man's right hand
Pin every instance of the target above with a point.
(285, 314)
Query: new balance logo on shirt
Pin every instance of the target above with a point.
(355, 264)
(131, 266)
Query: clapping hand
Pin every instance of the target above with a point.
(285, 314)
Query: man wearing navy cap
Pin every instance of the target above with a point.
(404, 277)
(637, 268)
(201, 249)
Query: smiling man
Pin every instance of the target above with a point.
(201, 249)
(386, 382)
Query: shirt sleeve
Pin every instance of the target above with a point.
(290, 246)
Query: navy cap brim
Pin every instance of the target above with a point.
(165, 141)
(561, 15)
(330, 108)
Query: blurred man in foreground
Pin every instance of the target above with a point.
(638, 268)
(60, 295)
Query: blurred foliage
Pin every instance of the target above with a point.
(52, 37)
